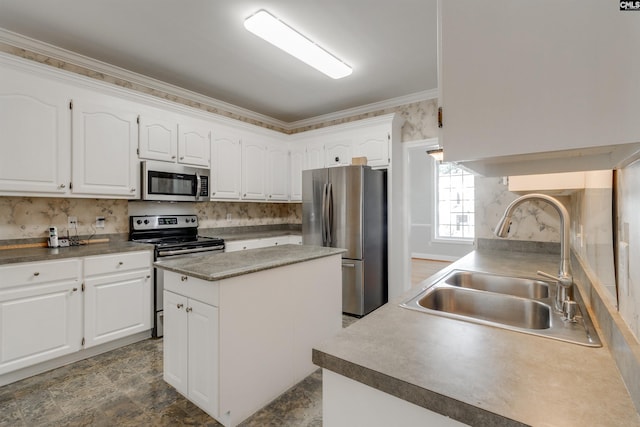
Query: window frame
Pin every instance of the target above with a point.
(436, 214)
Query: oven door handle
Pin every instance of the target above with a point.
(189, 251)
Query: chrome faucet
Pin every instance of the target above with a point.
(563, 301)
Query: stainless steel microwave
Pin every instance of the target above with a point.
(173, 182)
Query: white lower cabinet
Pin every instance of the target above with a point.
(191, 349)
(40, 312)
(117, 300)
(241, 245)
(41, 308)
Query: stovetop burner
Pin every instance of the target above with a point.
(170, 232)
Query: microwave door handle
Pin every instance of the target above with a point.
(198, 185)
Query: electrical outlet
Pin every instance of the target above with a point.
(72, 222)
(99, 222)
(228, 217)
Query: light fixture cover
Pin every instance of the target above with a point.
(437, 154)
(279, 34)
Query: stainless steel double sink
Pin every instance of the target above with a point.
(513, 303)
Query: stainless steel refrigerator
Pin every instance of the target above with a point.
(346, 207)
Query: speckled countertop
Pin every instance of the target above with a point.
(480, 375)
(229, 264)
(10, 256)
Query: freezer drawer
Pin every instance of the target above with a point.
(352, 287)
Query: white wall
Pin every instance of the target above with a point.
(420, 170)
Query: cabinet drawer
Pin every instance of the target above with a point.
(202, 290)
(107, 264)
(39, 272)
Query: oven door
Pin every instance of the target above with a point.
(173, 182)
(158, 329)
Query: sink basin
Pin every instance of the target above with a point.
(516, 286)
(513, 303)
(518, 312)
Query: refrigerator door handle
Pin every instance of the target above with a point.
(329, 213)
(324, 214)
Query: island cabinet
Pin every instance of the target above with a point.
(117, 301)
(518, 78)
(235, 344)
(40, 312)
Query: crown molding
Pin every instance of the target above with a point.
(368, 108)
(41, 48)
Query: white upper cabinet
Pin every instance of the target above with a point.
(338, 150)
(314, 158)
(254, 163)
(158, 138)
(373, 144)
(194, 143)
(105, 138)
(35, 133)
(277, 171)
(226, 164)
(518, 78)
(296, 166)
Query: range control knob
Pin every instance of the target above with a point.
(139, 222)
(146, 221)
(193, 220)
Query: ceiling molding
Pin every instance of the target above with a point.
(46, 49)
(41, 48)
(364, 109)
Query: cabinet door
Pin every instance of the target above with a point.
(194, 144)
(542, 76)
(314, 158)
(253, 170)
(116, 306)
(374, 145)
(226, 164)
(203, 355)
(158, 138)
(39, 323)
(35, 136)
(277, 171)
(296, 166)
(175, 341)
(338, 152)
(105, 138)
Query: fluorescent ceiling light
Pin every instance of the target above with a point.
(279, 34)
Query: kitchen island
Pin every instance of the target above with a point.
(239, 327)
(404, 367)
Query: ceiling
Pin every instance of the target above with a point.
(201, 45)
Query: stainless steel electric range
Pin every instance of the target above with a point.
(174, 236)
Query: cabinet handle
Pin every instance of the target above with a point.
(173, 157)
(337, 159)
(148, 276)
(213, 193)
(36, 273)
(269, 195)
(62, 186)
(180, 306)
(74, 289)
(133, 190)
(120, 263)
(188, 309)
(244, 195)
(183, 278)
(182, 158)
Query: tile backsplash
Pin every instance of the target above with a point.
(30, 217)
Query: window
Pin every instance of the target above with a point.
(455, 197)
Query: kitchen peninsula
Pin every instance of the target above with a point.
(399, 364)
(239, 327)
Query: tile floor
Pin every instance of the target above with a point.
(124, 387)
